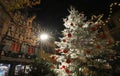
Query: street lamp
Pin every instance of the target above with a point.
(43, 37)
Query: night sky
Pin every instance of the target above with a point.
(50, 13)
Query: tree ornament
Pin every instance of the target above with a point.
(64, 40)
(69, 35)
(63, 67)
(68, 61)
(88, 52)
(65, 51)
(94, 28)
(58, 50)
(67, 71)
(71, 24)
(53, 57)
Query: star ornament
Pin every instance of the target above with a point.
(97, 18)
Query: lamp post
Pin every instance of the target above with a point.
(43, 38)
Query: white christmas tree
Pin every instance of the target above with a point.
(83, 46)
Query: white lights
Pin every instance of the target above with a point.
(43, 37)
(111, 11)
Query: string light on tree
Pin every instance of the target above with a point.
(111, 10)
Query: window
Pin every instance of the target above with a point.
(4, 69)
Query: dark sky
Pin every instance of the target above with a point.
(50, 13)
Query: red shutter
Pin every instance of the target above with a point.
(12, 48)
(29, 50)
(17, 47)
(32, 50)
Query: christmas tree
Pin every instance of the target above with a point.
(84, 49)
